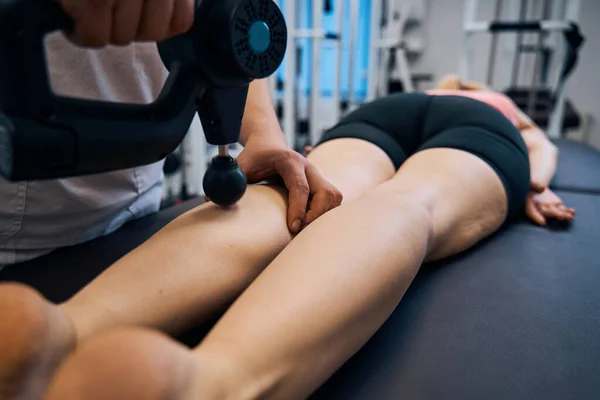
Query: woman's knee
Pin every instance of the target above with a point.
(354, 166)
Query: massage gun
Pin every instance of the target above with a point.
(46, 136)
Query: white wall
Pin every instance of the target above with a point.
(445, 43)
(584, 87)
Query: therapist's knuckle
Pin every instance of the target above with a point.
(302, 186)
(294, 157)
(184, 19)
(280, 160)
(336, 197)
(291, 164)
(90, 38)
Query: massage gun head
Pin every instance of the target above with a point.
(224, 182)
(231, 43)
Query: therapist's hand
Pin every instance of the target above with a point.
(120, 22)
(310, 195)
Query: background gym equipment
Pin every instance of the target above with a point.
(351, 42)
(45, 136)
(517, 317)
(543, 99)
(299, 108)
(396, 43)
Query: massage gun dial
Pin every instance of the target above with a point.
(250, 36)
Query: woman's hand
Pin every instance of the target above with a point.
(543, 204)
(120, 22)
(310, 195)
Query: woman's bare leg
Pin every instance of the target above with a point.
(187, 272)
(320, 299)
(204, 259)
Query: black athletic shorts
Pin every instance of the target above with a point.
(405, 123)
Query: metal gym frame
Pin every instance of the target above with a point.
(318, 38)
(388, 58)
(566, 24)
(383, 40)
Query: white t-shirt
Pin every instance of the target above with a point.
(38, 217)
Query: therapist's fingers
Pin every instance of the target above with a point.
(155, 23)
(162, 19)
(126, 18)
(92, 20)
(324, 196)
(101, 22)
(182, 18)
(294, 177)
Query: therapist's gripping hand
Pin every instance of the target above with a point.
(310, 195)
(120, 22)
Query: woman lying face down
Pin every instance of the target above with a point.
(423, 175)
(542, 203)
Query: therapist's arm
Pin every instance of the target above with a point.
(260, 121)
(266, 154)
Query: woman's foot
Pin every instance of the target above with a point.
(35, 336)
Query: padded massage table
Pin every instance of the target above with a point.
(516, 317)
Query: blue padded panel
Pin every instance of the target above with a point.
(578, 168)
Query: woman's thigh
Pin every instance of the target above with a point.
(464, 195)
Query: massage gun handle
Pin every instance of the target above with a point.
(45, 136)
(41, 16)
